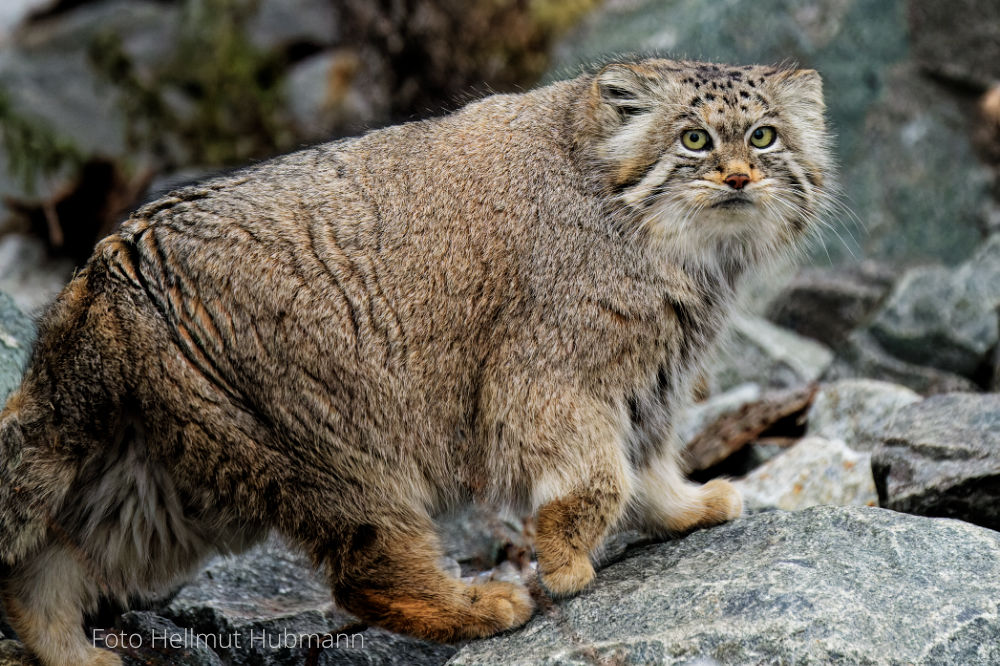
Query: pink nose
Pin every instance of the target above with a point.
(737, 181)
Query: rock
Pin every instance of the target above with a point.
(16, 335)
(941, 457)
(279, 24)
(852, 409)
(863, 356)
(945, 319)
(949, 44)
(269, 606)
(823, 585)
(28, 275)
(55, 82)
(814, 471)
(826, 304)
(479, 538)
(908, 166)
(144, 639)
(696, 417)
(335, 92)
(12, 12)
(761, 352)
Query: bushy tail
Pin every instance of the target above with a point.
(31, 488)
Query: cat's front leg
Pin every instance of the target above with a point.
(669, 504)
(581, 497)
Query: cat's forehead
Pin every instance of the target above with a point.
(718, 93)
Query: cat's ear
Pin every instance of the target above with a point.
(625, 89)
(805, 86)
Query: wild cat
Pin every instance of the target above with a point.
(506, 303)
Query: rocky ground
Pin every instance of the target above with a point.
(855, 402)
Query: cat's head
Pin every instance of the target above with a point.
(711, 162)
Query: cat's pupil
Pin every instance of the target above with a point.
(758, 134)
(694, 137)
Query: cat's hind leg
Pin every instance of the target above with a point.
(668, 504)
(388, 574)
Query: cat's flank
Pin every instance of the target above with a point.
(505, 303)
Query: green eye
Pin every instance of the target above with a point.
(762, 137)
(696, 140)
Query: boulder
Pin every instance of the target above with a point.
(759, 351)
(814, 471)
(826, 304)
(947, 319)
(957, 39)
(909, 171)
(863, 356)
(941, 457)
(853, 409)
(16, 335)
(281, 24)
(845, 585)
(28, 275)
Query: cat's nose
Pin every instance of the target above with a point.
(737, 181)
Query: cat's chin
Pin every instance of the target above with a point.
(736, 202)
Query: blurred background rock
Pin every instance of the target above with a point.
(104, 102)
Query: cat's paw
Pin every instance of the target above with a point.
(723, 502)
(568, 579)
(99, 657)
(499, 606)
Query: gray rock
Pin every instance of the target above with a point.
(16, 335)
(819, 586)
(826, 304)
(863, 356)
(908, 165)
(957, 39)
(335, 91)
(49, 77)
(269, 606)
(853, 409)
(28, 275)
(814, 471)
(144, 639)
(759, 351)
(479, 538)
(941, 457)
(281, 23)
(944, 318)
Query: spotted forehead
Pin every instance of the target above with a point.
(722, 95)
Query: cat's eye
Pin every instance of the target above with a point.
(696, 140)
(762, 137)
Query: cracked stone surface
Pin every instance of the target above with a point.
(941, 457)
(846, 585)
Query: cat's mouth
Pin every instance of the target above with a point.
(734, 201)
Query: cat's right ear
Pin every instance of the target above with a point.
(626, 90)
